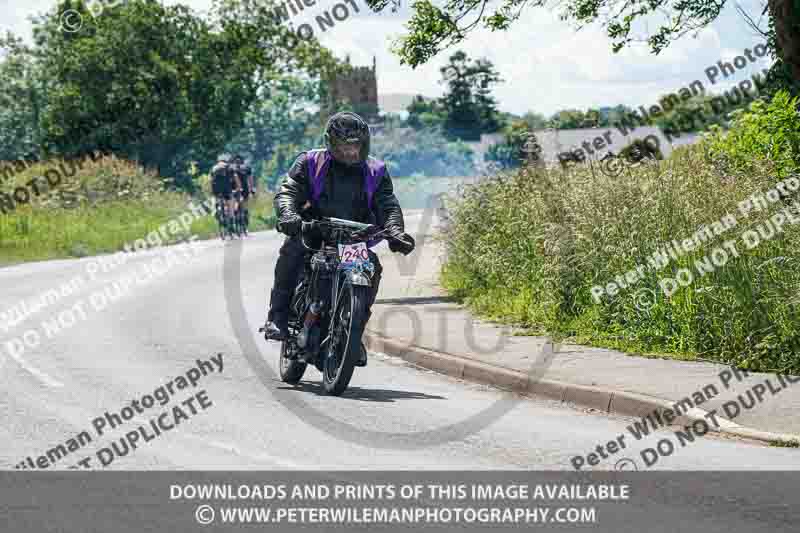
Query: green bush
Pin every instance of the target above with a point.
(520, 146)
(97, 208)
(528, 247)
(91, 179)
(766, 132)
(640, 149)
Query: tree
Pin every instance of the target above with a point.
(520, 146)
(467, 106)
(22, 90)
(281, 119)
(432, 28)
(424, 113)
(614, 115)
(282, 158)
(535, 121)
(694, 114)
(570, 119)
(160, 85)
(487, 106)
(783, 37)
(591, 119)
(567, 119)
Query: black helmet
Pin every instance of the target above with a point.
(343, 129)
(238, 159)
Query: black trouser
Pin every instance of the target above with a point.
(287, 273)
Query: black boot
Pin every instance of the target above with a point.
(277, 326)
(274, 332)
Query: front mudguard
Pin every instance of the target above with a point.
(358, 278)
(359, 274)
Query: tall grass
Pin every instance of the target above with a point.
(106, 204)
(528, 247)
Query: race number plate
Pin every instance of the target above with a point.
(352, 253)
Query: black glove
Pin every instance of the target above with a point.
(401, 242)
(290, 225)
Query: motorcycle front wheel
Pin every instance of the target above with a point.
(345, 346)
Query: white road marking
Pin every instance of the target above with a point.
(41, 376)
(265, 457)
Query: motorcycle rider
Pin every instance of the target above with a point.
(343, 195)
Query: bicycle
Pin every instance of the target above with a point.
(239, 222)
(224, 221)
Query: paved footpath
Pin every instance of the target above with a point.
(413, 318)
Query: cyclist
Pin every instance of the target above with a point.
(244, 173)
(342, 166)
(222, 185)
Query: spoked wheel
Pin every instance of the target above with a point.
(242, 225)
(220, 216)
(345, 345)
(231, 224)
(239, 222)
(291, 370)
(225, 224)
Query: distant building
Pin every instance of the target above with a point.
(553, 142)
(356, 86)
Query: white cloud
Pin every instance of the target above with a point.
(546, 65)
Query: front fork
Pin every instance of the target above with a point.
(355, 275)
(321, 274)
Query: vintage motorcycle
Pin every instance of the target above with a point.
(328, 311)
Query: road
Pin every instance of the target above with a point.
(57, 385)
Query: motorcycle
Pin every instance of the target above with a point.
(328, 311)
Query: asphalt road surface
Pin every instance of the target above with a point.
(92, 350)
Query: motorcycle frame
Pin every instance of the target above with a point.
(352, 272)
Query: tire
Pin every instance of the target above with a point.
(219, 215)
(350, 315)
(291, 370)
(239, 222)
(242, 223)
(230, 224)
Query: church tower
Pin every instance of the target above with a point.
(355, 87)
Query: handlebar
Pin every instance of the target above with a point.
(333, 223)
(340, 230)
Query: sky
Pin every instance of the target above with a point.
(545, 63)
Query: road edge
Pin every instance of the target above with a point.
(602, 399)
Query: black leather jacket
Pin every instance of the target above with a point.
(343, 196)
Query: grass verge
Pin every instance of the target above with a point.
(98, 208)
(529, 248)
